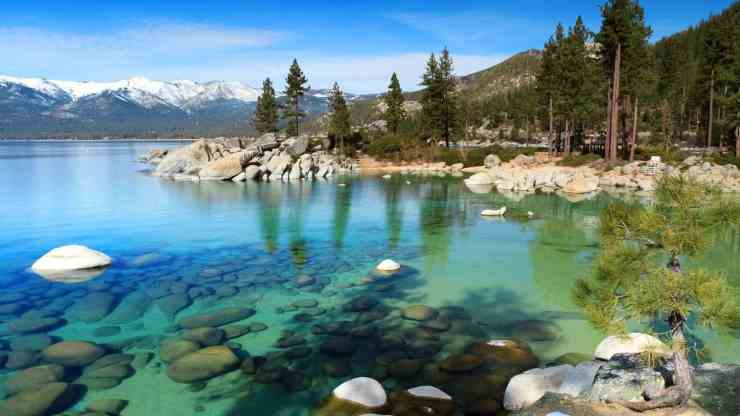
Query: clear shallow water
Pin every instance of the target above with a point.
(246, 244)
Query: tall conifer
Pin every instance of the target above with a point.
(266, 116)
(394, 111)
(340, 125)
(295, 88)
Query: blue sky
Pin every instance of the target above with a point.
(357, 44)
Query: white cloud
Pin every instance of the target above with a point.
(170, 51)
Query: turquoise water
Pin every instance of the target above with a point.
(244, 246)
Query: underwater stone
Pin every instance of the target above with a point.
(206, 336)
(404, 368)
(172, 349)
(257, 327)
(35, 342)
(21, 359)
(235, 331)
(35, 402)
(107, 406)
(363, 391)
(33, 377)
(461, 363)
(419, 313)
(73, 353)
(28, 325)
(216, 318)
(202, 365)
(93, 307)
(172, 304)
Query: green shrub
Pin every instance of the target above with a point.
(726, 159)
(670, 155)
(574, 160)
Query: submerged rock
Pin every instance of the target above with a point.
(216, 318)
(73, 353)
(355, 397)
(419, 313)
(172, 349)
(45, 399)
(203, 364)
(33, 378)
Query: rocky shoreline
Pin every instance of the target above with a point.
(530, 174)
(274, 158)
(267, 158)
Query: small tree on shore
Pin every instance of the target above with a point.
(340, 124)
(631, 280)
(266, 116)
(394, 111)
(295, 87)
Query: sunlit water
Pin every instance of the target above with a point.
(247, 243)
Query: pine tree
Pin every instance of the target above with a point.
(439, 108)
(430, 101)
(626, 57)
(295, 88)
(448, 105)
(631, 281)
(340, 126)
(394, 111)
(266, 116)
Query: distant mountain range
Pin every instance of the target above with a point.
(140, 107)
(40, 108)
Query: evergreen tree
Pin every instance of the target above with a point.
(340, 126)
(394, 111)
(266, 116)
(448, 105)
(438, 100)
(626, 57)
(430, 101)
(631, 281)
(295, 88)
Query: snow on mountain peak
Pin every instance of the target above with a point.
(181, 93)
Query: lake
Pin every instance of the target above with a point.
(301, 256)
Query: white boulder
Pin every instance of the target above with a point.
(525, 389)
(69, 258)
(388, 265)
(480, 178)
(364, 391)
(632, 343)
(429, 392)
(493, 212)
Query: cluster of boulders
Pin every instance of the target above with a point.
(618, 371)
(67, 370)
(269, 158)
(530, 173)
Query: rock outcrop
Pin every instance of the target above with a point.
(268, 158)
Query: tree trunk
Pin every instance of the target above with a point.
(566, 146)
(633, 139)
(615, 105)
(552, 139)
(683, 378)
(737, 142)
(711, 111)
(607, 139)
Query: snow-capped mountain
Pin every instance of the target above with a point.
(35, 107)
(183, 94)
